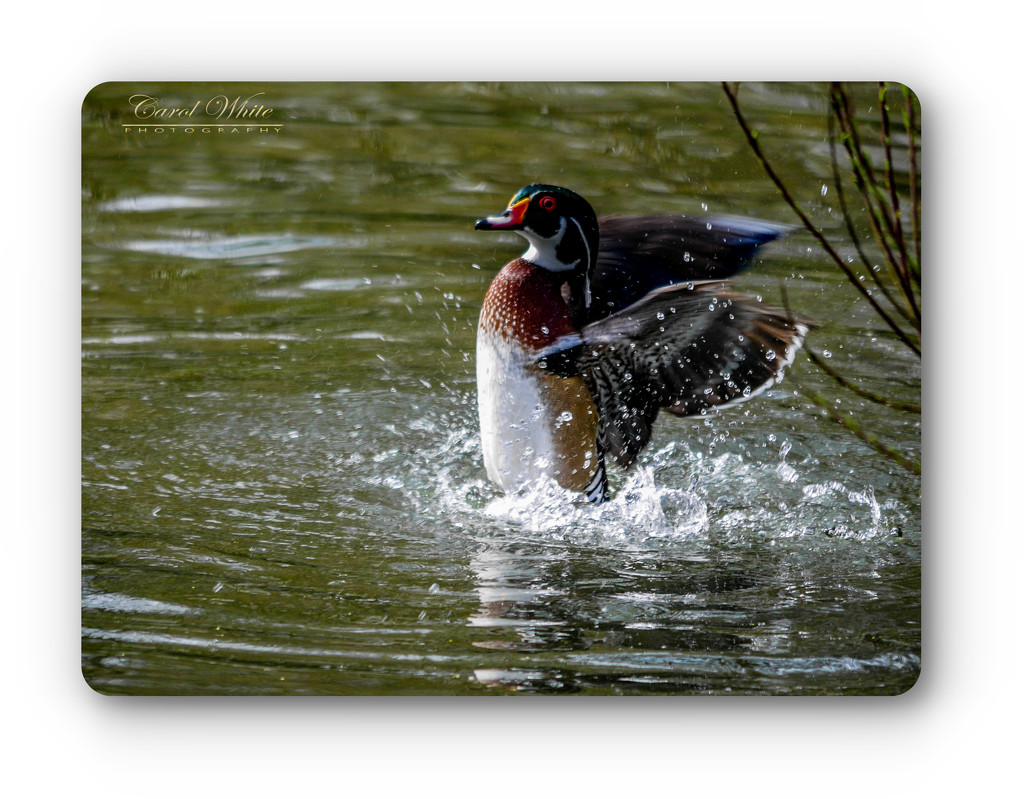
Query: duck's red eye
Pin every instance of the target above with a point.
(547, 203)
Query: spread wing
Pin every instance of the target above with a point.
(637, 254)
(688, 347)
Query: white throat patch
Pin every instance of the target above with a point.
(542, 250)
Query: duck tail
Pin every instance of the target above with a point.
(597, 490)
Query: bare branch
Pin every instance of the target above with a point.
(877, 398)
(851, 424)
(752, 140)
(848, 219)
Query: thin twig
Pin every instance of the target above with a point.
(818, 361)
(915, 207)
(890, 403)
(870, 439)
(894, 200)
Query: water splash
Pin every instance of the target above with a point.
(877, 523)
(784, 470)
(677, 492)
(640, 509)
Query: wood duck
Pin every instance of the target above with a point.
(601, 323)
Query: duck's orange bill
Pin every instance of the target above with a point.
(512, 219)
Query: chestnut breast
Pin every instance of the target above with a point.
(532, 422)
(525, 304)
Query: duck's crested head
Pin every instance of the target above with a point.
(559, 224)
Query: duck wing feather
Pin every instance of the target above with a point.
(637, 254)
(688, 347)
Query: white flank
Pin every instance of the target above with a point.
(514, 434)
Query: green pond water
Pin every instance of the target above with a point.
(282, 484)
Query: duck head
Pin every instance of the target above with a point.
(559, 225)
